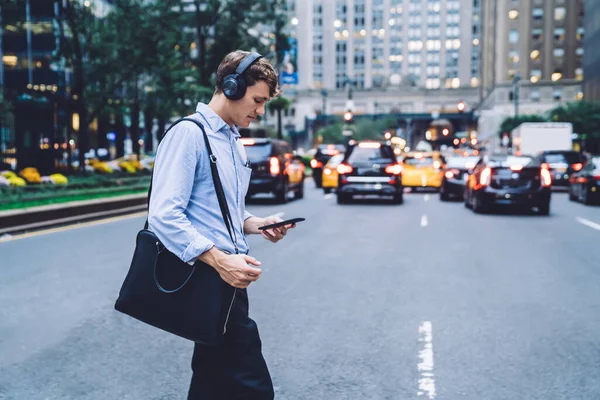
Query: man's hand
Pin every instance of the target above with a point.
(276, 234)
(234, 269)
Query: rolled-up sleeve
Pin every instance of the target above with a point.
(247, 215)
(174, 172)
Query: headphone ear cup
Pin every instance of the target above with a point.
(241, 88)
(230, 87)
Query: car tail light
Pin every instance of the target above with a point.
(437, 164)
(545, 165)
(486, 177)
(577, 166)
(394, 169)
(316, 164)
(344, 169)
(327, 171)
(451, 173)
(597, 177)
(546, 177)
(582, 179)
(275, 168)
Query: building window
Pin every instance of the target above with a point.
(556, 94)
(513, 36)
(559, 53)
(557, 76)
(580, 33)
(536, 34)
(535, 95)
(536, 75)
(513, 56)
(579, 74)
(537, 14)
(560, 13)
(579, 51)
(513, 14)
(535, 55)
(559, 34)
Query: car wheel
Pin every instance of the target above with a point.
(343, 198)
(281, 195)
(444, 196)
(585, 197)
(300, 191)
(478, 208)
(398, 198)
(544, 209)
(466, 199)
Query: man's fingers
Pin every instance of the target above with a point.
(251, 260)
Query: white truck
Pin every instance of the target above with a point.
(531, 138)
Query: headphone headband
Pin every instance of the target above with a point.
(247, 62)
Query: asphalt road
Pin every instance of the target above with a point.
(424, 300)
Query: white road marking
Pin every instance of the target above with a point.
(424, 221)
(329, 196)
(426, 197)
(425, 366)
(8, 238)
(589, 223)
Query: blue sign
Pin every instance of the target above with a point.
(111, 136)
(289, 75)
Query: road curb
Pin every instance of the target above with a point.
(40, 217)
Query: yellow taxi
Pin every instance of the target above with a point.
(422, 169)
(330, 174)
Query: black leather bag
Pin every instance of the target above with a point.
(161, 290)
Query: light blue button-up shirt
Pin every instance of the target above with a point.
(184, 211)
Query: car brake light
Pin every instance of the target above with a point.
(486, 177)
(315, 164)
(327, 171)
(437, 164)
(596, 177)
(344, 169)
(577, 166)
(394, 169)
(545, 165)
(451, 173)
(546, 177)
(369, 145)
(275, 169)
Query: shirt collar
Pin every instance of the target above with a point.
(214, 121)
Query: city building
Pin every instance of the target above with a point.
(591, 62)
(532, 57)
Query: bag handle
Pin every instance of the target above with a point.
(216, 179)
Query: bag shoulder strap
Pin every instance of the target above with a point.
(216, 180)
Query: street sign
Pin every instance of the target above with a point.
(347, 132)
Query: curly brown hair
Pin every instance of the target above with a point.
(260, 70)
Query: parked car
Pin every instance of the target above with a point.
(585, 184)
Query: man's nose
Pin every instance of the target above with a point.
(261, 110)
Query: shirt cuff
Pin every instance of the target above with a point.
(247, 215)
(195, 249)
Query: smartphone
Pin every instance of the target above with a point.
(278, 224)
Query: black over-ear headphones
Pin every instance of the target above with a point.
(234, 85)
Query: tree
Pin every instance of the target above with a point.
(279, 104)
(511, 123)
(585, 117)
(331, 134)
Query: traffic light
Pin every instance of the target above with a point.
(461, 106)
(348, 116)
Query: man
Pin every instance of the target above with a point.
(184, 213)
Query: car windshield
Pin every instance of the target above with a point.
(509, 161)
(570, 157)
(374, 155)
(258, 152)
(461, 162)
(422, 161)
(335, 160)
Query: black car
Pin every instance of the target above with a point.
(508, 180)
(562, 165)
(585, 184)
(455, 175)
(369, 168)
(274, 168)
(322, 156)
